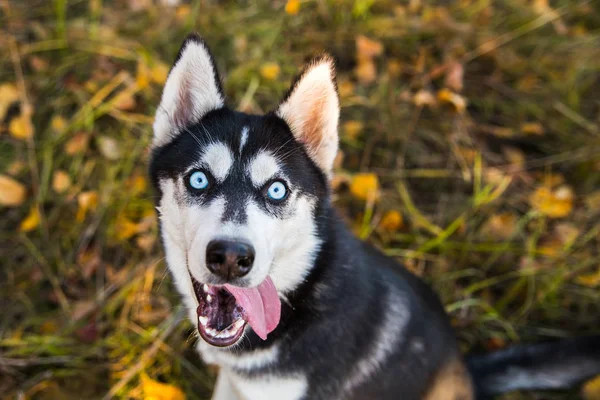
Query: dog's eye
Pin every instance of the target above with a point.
(198, 180)
(277, 191)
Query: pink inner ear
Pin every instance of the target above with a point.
(183, 113)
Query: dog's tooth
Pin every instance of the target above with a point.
(203, 320)
(205, 288)
(208, 298)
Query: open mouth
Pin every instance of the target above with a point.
(224, 311)
(220, 318)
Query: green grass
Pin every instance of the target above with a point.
(87, 305)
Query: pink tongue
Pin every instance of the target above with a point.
(262, 306)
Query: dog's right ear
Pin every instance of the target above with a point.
(193, 88)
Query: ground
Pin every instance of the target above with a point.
(470, 136)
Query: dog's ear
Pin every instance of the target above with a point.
(193, 88)
(311, 109)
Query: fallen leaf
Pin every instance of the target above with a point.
(125, 228)
(61, 181)
(366, 71)
(367, 48)
(12, 192)
(21, 126)
(125, 101)
(591, 389)
(365, 186)
(108, 147)
(454, 76)
(532, 128)
(352, 129)
(292, 7)
(501, 226)
(346, 88)
(154, 390)
(142, 77)
(424, 98)
(391, 221)
(159, 73)
(31, 221)
(77, 144)
(556, 203)
(58, 124)
(394, 68)
(38, 64)
(183, 11)
(146, 242)
(8, 95)
(87, 201)
(590, 280)
(457, 101)
(270, 71)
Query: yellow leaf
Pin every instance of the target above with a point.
(159, 73)
(8, 95)
(532, 128)
(394, 68)
(591, 390)
(154, 390)
(556, 203)
(21, 127)
(424, 98)
(270, 71)
(366, 71)
(365, 186)
(31, 221)
(292, 7)
(346, 88)
(352, 129)
(77, 144)
(367, 48)
(183, 11)
(86, 201)
(590, 280)
(125, 228)
(61, 181)
(142, 78)
(12, 193)
(125, 101)
(456, 100)
(58, 123)
(501, 226)
(391, 221)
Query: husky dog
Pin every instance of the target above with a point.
(286, 301)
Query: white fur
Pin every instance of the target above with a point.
(190, 92)
(217, 157)
(315, 86)
(244, 138)
(243, 361)
(262, 168)
(388, 337)
(269, 387)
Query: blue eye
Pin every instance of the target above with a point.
(199, 180)
(277, 190)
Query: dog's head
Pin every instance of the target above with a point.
(239, 193)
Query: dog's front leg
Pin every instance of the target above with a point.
(223, 388)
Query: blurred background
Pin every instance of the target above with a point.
(470, 138)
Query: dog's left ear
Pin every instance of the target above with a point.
(193, 88)
(312, 110)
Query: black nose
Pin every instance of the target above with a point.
(229, 259)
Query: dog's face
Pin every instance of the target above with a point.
(238, 193)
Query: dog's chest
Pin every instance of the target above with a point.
(270, 387)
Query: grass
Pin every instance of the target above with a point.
(87, 305)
